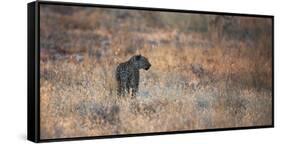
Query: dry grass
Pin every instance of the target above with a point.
(80, 50)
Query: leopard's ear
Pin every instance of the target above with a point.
(138, 57)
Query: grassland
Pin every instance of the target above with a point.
(207, 71)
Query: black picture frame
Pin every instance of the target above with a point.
(33, 106)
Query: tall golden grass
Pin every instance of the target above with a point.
(198, 80)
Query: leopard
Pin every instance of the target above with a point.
(128, 75)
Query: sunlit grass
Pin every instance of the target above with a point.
(196, 81)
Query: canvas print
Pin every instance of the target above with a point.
(111, 71)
